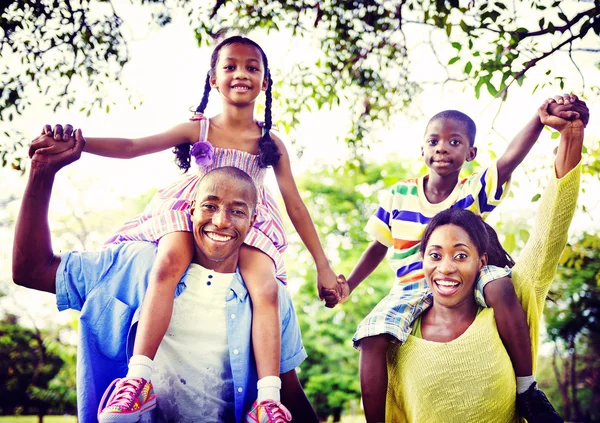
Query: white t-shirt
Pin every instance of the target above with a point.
(192, 374)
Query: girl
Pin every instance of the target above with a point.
(239, 71)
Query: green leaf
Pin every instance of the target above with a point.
(453, 60)
(457, 46)
(555, 135)
(491, 89)
(509, 242)
(468, 67)
(535, 198)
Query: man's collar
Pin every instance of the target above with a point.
(238, 286)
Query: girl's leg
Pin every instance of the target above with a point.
(130, 396)
(373, 376)
(173, 257)
(258, 272)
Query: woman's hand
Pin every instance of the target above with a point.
(576, 117)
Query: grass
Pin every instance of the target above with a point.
(34, 419)
(72, 419)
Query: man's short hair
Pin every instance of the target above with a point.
(237, 174)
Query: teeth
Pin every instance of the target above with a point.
(446, 283)
(217, 237)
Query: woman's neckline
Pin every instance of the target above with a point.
(457, 339)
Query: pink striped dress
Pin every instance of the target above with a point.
(168, 211)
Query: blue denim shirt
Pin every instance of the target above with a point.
(108, 288)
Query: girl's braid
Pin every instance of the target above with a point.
(182, 151)
(268, 152)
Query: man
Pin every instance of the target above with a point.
(108, 288)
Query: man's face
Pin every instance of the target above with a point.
(222, 215)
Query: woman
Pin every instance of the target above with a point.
(454, 367)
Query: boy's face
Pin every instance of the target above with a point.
(447, 147)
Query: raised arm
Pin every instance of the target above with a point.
(119, 148)
(538, 260)
(34, 262)
(522, 143)
(302, 221)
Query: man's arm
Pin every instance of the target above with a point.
(34, 262)
(294, 398)
(523, 142)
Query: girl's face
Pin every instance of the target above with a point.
(239, 74)
(451, 264)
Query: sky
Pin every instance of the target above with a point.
(167, 71)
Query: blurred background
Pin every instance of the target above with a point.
(355, 83)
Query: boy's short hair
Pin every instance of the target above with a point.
(459, 117)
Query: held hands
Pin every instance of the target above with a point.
(338, 294)
(46, 152)
(53, 141)
(564, 112)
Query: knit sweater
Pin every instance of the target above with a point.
(471, 378)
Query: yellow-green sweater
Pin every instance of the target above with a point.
(471, 378)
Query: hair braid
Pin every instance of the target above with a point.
(182, 151)
(269, 153)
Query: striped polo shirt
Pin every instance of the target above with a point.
(400, 220)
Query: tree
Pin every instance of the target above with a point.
(27, 367)
(574, 326)
(57, 47)
(340, 201)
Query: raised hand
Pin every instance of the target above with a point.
(53, 141)
(45, 153)
(570, 112)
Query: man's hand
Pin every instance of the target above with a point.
(46, 153)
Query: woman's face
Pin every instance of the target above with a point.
(451, 264)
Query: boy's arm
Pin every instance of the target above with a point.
(294, 398)
(368, 262)
(119, 148)
(522, 143)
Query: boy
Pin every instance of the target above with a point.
(399, 223)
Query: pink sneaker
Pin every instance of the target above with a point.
(130, 398)
(268, 411)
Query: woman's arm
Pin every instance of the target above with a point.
(301, 219)
(122, 148)
(537, 263)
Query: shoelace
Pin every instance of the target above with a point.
(276, 411)
(124, 393)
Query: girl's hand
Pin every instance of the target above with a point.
(53, 142)
(332, 296)
(326, 280)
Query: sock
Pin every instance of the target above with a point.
(524, 382)
(268, 388)
(140, 366)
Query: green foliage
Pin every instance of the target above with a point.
(573, 324)
(340, 201)
(364, 64)
(28, 366)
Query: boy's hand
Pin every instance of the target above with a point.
(338, 295)
(576, 116)
(51, 142)
(568, 107)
